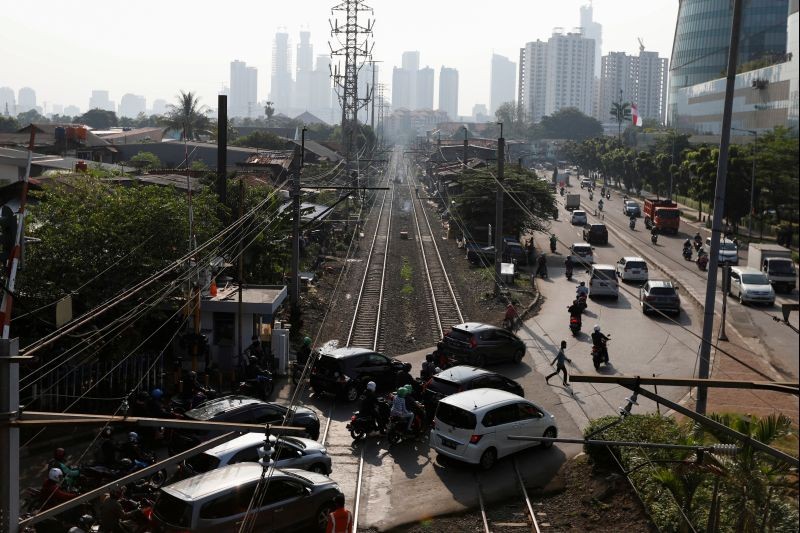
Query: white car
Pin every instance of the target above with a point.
(728, 252)
(473, 426)
(582, 253)
(579, 217)
(632, 269)
(603, 282)
(751, 285)
(287, 452)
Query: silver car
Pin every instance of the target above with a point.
(287, 452)
(218, 501)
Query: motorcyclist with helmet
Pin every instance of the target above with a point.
(599, 341)
(582, 290)
(569, 265)
(132, 449)
(59, 461)
(428, 367)
(113, 516)
(399, 408)
(304, 353)
(404, 376)
(52, 494)
(84, 525)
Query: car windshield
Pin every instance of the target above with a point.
(605, 274)
(455, 416)
(579, 213)
(781, 267)
(636, 264)
(727, 246)
(173, 511)
(582, 250)
(630, 203)
(754, 279)
(662, 291)
(459, 335)
(203, 462)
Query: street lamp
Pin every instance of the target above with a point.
(754, 133)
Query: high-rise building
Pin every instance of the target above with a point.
(702, 37)
(100, 100)
(592, 30)
(130, 105)
(8, 102)
(72, 111)
(26, 99)
(641, 80)
(448, 92)
(617, 81)
(532, 84)
(651, 86)
(304, 72)
(159, 106)
(480, 113)
(503, 78)
(570, 72)
(411, 64)
(281, 80)
(322, 91)
(243, 91)
(425, 84)
(401, 88)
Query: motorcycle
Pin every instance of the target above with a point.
(600, 205)
(568, 273)
(563, 191)
(361, 425)
(702, 262)
(295, 371)
(397, 431)
(597, 357)
(261, 387)
(575, 325)
(698, 243)
(632, 224)
(591, 196)
(608, 196)
(581, 297)
(511, 324)
(687, 253)
(654, 238)
(553, 243)
(98, 475)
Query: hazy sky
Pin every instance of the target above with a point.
(63, 50)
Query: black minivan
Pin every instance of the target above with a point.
(479, 344)
(345, 372)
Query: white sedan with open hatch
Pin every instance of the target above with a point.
(473, 426)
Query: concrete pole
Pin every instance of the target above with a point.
(726, 279)
(752, 189)
(719, 207)
(498, 215)
(222, 147)
(9, 436)
(295, 281)
(466, 147)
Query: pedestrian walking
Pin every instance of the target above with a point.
(560, 360)
(340, 520)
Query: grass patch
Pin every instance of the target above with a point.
(406, 272)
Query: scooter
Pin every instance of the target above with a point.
(597, 358)
(575, 325)
(702, 262)
(600, 205)
(632, 223)
(654, 238)
(361, 425)
(397, 431)
(581, 297)
(563, 191)
(553, 243)
(687, 253)
(591, 196)
(261, 387)
(698, 243)
(568, 273)
(608, 196)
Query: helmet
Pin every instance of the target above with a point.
(55, 474)
(402, 392)
(583, 283)
(253, 360)
(406, 367)
(307, 341)
(409, 389)
(107, 433)
(125, 464)
(192, 374)
(133, 437)
(371, 386)
(597, 328)
(156, 394)
(59, 454)
(86, 521)
(429, 357)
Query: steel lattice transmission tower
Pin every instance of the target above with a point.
(355, 46)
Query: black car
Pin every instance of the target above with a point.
(479, 254)
(595, 234)
(661, 295)
(345, 371)
(246, 410)
(464, 377)
(481, 344)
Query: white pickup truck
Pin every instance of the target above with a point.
(776, 262)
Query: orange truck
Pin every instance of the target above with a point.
(663, 214)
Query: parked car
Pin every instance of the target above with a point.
(579, 217)
(728, 252)
(632, 269)
(217, 501)
(751, 285)
(513, 250)
(582, 253)
(661, 295)
(481, 344)
(603, 281)
(288, 452)
(595, 234)
(345, 372)
(473, 426)
(464, 377)
(478, 254)
(631, 208)
(242, 409)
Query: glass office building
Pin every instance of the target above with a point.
(702, 36)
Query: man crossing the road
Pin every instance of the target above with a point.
(340, 520)
(560, 361)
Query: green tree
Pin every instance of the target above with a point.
(31, 117)
(187, 116)
(569, 123)
(269, 110)
(777, 179)
(528, 205)
(513, 118)
(261, 139)
(99, 119)
(145, 161)
(8, 124)
(701, 166)
(620, 111)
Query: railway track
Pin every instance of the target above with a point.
(523, 519)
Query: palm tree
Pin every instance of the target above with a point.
(188, 116)
(620, 111)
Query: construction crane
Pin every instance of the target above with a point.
(641, 44)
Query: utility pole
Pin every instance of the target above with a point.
(222, 148)
(294, 297)
(719, 207)
(498, 215)
(466, 146)
(240, 307)
(380, 134)
(352, 47)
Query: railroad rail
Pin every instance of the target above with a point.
(490, 526)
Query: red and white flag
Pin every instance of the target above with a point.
(635, 118)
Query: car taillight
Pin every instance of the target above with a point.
(475, 439)
(314, 370)
(472, 342)
(353, 418)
